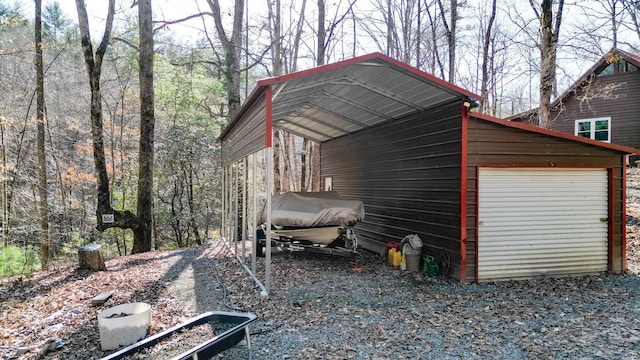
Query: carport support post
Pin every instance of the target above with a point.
(222, 196)
(245, 213)
(254, 215)
(229, 208)
(236, 207)
(269, 187)
(225, 206)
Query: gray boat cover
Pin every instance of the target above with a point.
(313, 209)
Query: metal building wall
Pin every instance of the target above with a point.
(491, 144)
(407, 173)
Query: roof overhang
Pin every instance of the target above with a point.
(333, 101)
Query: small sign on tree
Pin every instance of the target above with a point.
(108, 218)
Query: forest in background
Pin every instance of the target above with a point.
(206, 61)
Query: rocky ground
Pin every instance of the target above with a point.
(323, 307)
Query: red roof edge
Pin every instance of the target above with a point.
(517, 125)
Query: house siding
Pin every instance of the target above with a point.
(612, 96)
(407, 173)
(491, 144)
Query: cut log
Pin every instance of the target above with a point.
(90, 257)
(101, 299)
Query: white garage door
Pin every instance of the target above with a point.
(538, 221)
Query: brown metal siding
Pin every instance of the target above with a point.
(407, 173)
(492, 144)
(614, 96)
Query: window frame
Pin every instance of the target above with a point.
(592, 127)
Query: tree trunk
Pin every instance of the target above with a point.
(304, 166)
(286, 178)
(633, 8)
(315, 166)
(232, 47)
(484, 91)
(296, 42)
(43, 204)
(321, 33)
(142, 235)
(5, 198)
(549, 33)
(452, 41)
(120, 219)
(90, 257)
(277, 186)
(434, 38)
(450, 32)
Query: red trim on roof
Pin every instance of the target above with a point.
(517, 125)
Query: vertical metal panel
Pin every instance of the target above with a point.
(407, 173)
(541, 221)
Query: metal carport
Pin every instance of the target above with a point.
(321, 104)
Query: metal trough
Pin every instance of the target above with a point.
(207, 349)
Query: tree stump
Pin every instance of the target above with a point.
(90, 257)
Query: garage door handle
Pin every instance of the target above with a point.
(480, 223)
(604, 219)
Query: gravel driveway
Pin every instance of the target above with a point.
(326, 307)
(323, 307)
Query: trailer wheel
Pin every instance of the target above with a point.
(260, 249)
(261, 243)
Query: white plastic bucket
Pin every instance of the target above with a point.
(116, 331)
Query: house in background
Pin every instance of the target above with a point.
(601, 105)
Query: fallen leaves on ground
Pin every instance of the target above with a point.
(334, 308)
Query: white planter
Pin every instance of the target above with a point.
(124, 330)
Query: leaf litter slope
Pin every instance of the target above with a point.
(324, 307)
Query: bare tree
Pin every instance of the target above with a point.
(43, 205)
(548, 45)
(632, 7)
(232, 47)
(436, 62)
(484, 91)
(142, 235)
(450, 26)
(120, 219)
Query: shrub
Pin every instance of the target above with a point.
(16, 260)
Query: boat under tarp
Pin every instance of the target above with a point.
(317, 217)
(313, 209)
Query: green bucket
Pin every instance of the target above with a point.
(430, 266)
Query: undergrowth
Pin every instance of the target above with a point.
(16, 260)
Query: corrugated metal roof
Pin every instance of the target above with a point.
(335, 100)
